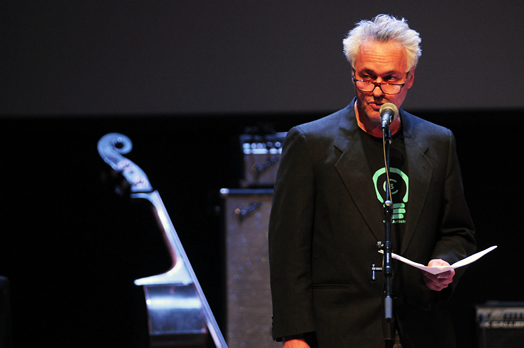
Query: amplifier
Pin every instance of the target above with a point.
(261, 157)
(500, 324)
(246, 218)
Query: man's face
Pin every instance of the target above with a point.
(381, 62)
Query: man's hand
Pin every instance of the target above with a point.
(440, 281)
(296, 343)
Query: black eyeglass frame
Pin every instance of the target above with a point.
(379, 84)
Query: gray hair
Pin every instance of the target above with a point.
(383, 28)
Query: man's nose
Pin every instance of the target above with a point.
(377, 91)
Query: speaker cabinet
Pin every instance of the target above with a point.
(246, 218)
(500, 325)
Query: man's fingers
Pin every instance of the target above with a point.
(438, 282)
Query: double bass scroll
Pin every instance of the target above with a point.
(178, 312)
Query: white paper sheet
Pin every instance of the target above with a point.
(437, 270)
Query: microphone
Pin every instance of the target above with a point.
(388, 112)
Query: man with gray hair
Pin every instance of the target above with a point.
(328, 210)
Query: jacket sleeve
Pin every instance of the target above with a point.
(290, 238)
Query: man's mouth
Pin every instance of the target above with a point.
(376, 105)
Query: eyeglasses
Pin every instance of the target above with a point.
(386, 88)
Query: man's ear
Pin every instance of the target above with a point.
(411, 77)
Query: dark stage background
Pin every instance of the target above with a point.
(184, 78)
(171, 57)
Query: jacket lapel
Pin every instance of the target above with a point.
(420, 175)
(355, 173)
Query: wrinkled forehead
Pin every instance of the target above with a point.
(381, 57)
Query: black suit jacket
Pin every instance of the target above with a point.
(325, 224)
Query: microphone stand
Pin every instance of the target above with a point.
(389, 325)
(388, 112)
